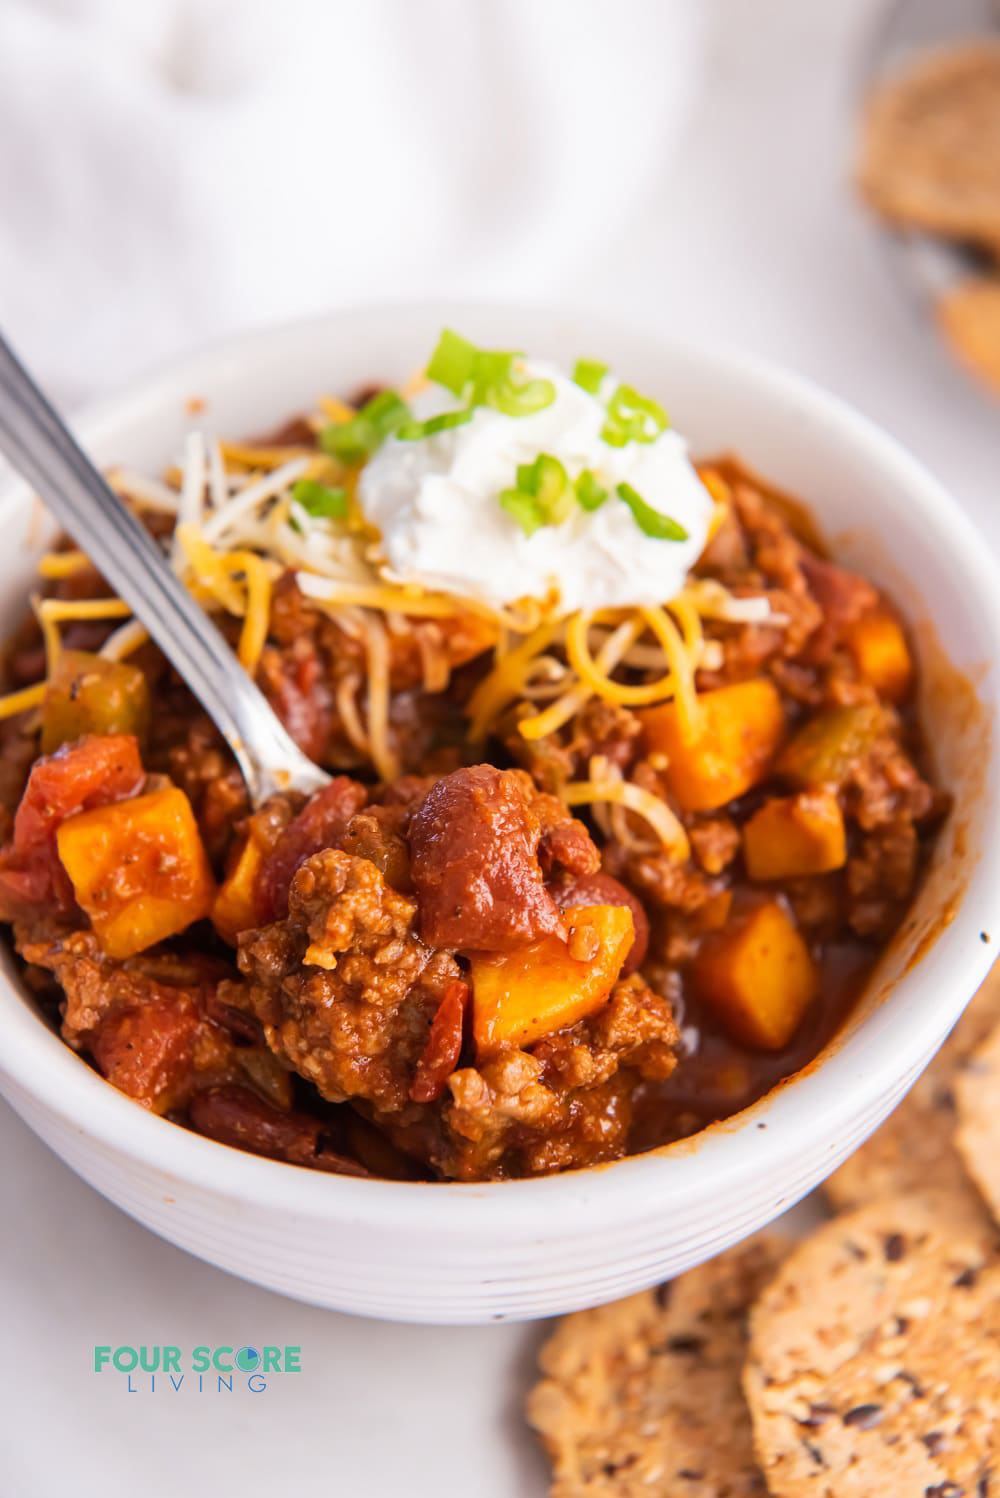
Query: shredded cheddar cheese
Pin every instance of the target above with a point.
(610, 789)
(240, 523)
(587, 668)
(243, 455)
(55, 565)
(61, 610)
(22, 701)
(378, 700)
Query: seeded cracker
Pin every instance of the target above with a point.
(978, 1137)
(643, 1397)
(914, 1147)
(931, 151)
(874, 1360)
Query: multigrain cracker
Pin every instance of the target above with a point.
(969, 317)
(644, 1397)
(931, 150)
(977, 1092)
(874, 1357)
(915, 1145)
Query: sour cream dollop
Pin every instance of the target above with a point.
(436, 503)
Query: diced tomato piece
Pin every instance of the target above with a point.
(94, 771)
(444, 1045)
(148, 1052)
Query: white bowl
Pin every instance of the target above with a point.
(469, 1253)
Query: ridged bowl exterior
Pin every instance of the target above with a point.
(516, 1250)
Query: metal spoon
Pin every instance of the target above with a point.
(40, 446)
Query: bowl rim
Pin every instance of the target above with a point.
(38, 1065)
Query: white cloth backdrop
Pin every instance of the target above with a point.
(170, 169)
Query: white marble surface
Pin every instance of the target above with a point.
(753, 238)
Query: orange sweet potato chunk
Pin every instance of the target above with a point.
(794, 836)
(758, 977)
(881, 654)
(235, 906)
(738, 733)
(521, 995)
(138, 869)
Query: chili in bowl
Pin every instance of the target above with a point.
(635, 815)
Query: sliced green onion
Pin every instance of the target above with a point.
(386, 411)
(524, 508)
(589, 493)
(320, 500)
(633, 418)
(651, 522)
(491, 371)
(547, 481)
(511, 399)
(485, 377)
(589, 374)
(353, 441)
(413, 431)
(452, 362)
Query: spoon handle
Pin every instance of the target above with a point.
(41, 448)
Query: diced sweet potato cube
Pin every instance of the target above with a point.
(88, 694)
(235, 908)
(793, 836)
(738, 733)
(881, 654)
(138, 869)
(521, 995)
(758, 977)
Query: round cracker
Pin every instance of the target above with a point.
(644, 1396)
(915, 1147)
(977, 1092)
(874, 1358)
(931, 150)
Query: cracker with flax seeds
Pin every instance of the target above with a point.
(930, 156)
(977, 1093)
(874, 1357)
(643, 1396)
(915, 1147)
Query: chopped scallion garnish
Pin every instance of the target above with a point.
(320, 500)
(589, 493)
(491, 370)
(512, 399)
(353, 441)
(524, 508)
(547, 481)
(633, 418)
(651, 522)
(349, 440)
(385, 411)
(452, 362)
(413, 431)
(486, 377)
(588, 374)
